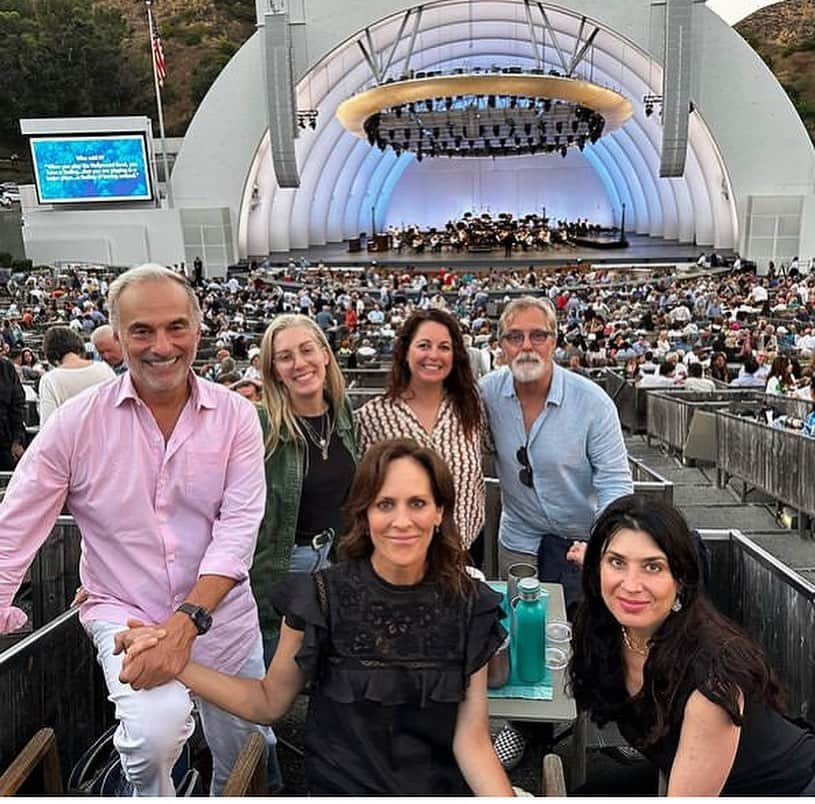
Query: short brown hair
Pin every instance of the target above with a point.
(60, 341)
(446, 558)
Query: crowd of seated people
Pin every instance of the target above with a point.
(605, 317)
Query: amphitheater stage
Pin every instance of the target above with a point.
(641, 250)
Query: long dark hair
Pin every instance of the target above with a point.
(459, 383)
(716, 371)
(696, 643)
(446, 558)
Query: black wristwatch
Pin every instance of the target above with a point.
(201, 618)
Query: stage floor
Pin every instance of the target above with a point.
(641, 249)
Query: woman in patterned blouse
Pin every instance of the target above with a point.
(432, 397)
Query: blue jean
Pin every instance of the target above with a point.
(304, 558)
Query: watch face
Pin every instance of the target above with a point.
(203, 621)
(201, 618)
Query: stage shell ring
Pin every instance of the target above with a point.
(614, 107)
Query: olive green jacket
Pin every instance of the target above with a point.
(284, 484)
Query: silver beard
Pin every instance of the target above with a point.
(527, 368)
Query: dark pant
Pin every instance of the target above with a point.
(554, 568)
(7, 462)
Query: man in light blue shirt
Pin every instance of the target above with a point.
(560, 454)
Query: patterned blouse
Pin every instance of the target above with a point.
(382, 418)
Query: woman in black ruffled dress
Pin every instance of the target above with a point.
(393, 642)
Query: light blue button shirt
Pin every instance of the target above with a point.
(576, 450)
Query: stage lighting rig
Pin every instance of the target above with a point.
(480, 113)
(307, 118)
(651, 102)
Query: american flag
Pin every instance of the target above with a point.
(158, 57)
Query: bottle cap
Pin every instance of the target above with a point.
(528, 588)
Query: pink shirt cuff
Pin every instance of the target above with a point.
(11, 619)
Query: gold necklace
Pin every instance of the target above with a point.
(631, 646)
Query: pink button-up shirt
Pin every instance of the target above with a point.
(153, 516)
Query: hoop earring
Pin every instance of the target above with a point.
(677, 606)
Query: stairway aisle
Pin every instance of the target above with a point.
(708, 507)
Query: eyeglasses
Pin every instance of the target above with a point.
(305, 351)
(525, 472)
(537, 336)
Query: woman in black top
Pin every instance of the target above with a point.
(686, 687)
(394, 640)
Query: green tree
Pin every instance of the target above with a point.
(209, 68)
(64, 58)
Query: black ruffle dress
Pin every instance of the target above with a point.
(388, 666)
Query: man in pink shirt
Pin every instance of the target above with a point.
(163, 473)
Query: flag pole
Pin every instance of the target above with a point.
(157, 86)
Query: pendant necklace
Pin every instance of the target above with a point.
(321, 440)
(630, 644)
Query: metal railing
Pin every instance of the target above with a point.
(51, 678)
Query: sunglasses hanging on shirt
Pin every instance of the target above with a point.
(525, 472)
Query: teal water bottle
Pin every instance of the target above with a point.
(529, 631)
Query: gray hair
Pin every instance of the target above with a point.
(103, 331)
(527, 303)
(150, 272)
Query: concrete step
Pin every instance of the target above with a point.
(789, 547)
(746, 518)
(702, 495)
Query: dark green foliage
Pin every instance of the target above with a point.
(63, 58)
(241, 10)
(208, 69)
(21, 266)
(5, 259)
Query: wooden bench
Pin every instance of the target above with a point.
(248, 774)
(41, 749)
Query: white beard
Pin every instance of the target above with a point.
(527, 368)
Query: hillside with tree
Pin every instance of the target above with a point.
(784, 36)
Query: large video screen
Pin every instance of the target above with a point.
(73, 169)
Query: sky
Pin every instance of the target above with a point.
(731, 11)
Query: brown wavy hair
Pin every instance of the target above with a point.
(446, 558)
(459, 383)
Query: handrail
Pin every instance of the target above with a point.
(24, 644)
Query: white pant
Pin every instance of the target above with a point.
(154, 724)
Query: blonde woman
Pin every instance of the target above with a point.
(310, 457)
